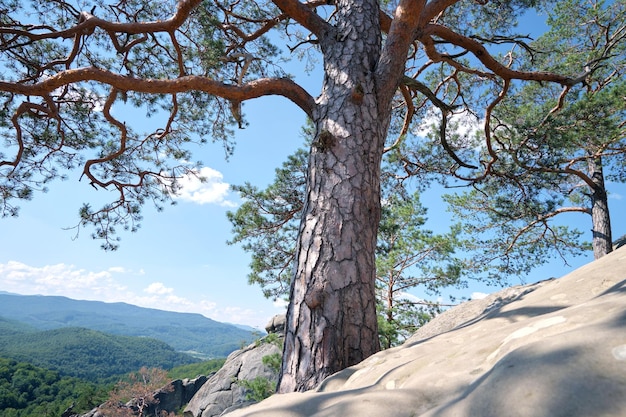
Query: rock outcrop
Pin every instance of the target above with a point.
(555, 348)
(170, 398)
(276, 325)
(222, 391)
(177, 394)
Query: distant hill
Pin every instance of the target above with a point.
(14, 327)
(185, 332)
(89, 354)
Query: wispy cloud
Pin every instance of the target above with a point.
(206, 186)
(57, 280)
(410, 297)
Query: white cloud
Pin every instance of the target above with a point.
(158, 288)
(478, 295)
(410, 297)
(465, 123)
(616, 196)
(56, 280)
(280, 303)
(205, 187)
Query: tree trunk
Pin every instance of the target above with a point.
(331, 320)
(602, 241)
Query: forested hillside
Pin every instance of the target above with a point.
(10, 327)
(28, 390)
(185, 332)
(89, 354)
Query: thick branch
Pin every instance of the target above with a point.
(88, 22)
(481, 53)
(434, 8)
(399, 39)
(263, 87)
(303, 14)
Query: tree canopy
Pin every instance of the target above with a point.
(556, 152)
(65, 65)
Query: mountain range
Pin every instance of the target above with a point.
(185, 332)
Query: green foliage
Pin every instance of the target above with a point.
(261, 387)
(507, 234)
(267, 224)
(257, 389)
(409, 256)
(193, 370)
(29, 391)
(271, 338)
(89, 354)
(273, 361)
(147, 167)
(14, 327)
(553, 151)
(397, 324)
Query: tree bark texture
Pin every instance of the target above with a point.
(602, 240)
(331, 320)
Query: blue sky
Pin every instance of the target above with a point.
(179, 259)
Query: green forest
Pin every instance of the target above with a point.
(89, 354)
(27, 390)
(43, 373)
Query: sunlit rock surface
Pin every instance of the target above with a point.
(556, 348)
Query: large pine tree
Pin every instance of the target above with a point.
(64, 69)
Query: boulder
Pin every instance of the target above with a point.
(556, 348)
(175, 395)
(221, 391)
(276, 324)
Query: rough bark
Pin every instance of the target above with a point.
(331, 321)
(602, 240)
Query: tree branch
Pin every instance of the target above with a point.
(542, 219)
(303, 14)
(88, 22)
(267, 86)
(481, 53)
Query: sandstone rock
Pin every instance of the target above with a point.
(552, 349)
(221, 391)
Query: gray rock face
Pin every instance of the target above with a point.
(276, 324)
(176, 395)
(552, 349)
(221, 391)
